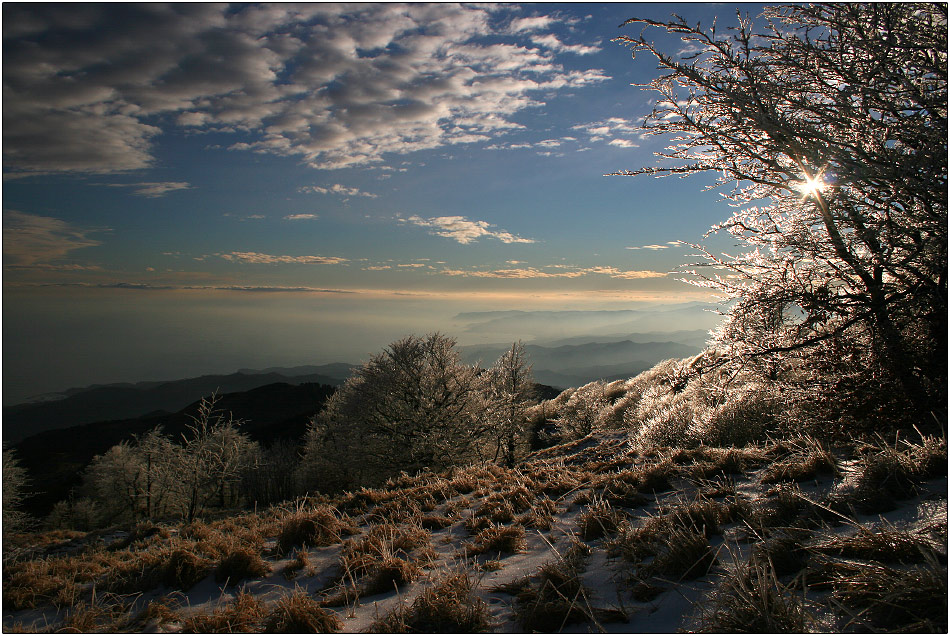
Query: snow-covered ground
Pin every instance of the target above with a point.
(575, 478)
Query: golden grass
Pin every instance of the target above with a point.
(447, 606)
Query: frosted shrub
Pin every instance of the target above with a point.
(746, 416)
(669, 424)
(583, 413)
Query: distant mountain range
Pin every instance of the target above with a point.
(540, 325)
(567, 363)
(98, 403)
(561, 363)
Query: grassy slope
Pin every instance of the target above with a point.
(590, 535)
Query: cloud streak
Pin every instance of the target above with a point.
(257, 258)
(153, 189)
(87, 88)
(35, 241)
(562, 272)
(464, 231)
(339, 189)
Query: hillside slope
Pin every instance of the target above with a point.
(591, 535)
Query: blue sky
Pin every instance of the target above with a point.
(195, 187)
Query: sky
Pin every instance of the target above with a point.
(194, 188)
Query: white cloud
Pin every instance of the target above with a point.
(270, 259)
(338, 189)
(301, 217)
(31, 240)
(616, 129)
(551, 41)
(87, 88)
(654, 247)
(535, 23)
(463, 231)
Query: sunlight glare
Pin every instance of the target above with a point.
(811, 186)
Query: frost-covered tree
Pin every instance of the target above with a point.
(510, 390)
(827, 126)
(14, 491)
(115, 480)
(134, 479)
(156, 453)
(412, 406)
(584, 412)
(213, 456)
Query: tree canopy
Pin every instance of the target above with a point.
(827, 127)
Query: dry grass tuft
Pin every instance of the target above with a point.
(448, 606)
(541, 516)
(683, 554)
(785, 506)
(142, 535)
(498, 539)
(883, 598)
(750, 598)
(301, 614)
(808, 457)
(657, 477)
(184, 568)
(557, 597)
(244, 613)
(892, 472)
(388, 574)
(436, 522)
(319, 527)
(301, 561)
(156, 614)
(886, 544)
(240, 564)
(598, 520)
(384, 558)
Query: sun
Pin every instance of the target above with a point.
(811, 186)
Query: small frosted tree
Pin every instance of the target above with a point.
(413, 406)
(115, 481)
(828, 128)
(212, 458)
(510, 390)
(584, 412)
(134, 479)
(14, 491)
(156, 452)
